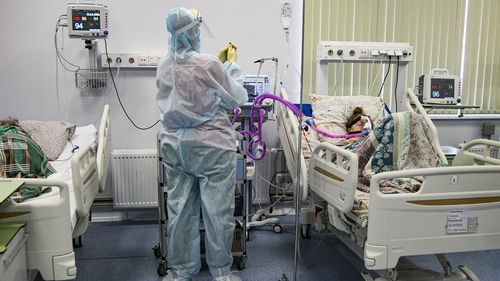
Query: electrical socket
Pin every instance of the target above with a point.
(364, 53)
(153, 60)
(143, 61)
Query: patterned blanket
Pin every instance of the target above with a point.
(21, 157)
(402, 141)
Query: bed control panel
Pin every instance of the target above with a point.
(345, 51)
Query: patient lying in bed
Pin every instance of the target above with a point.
(398, 142)
(22, 157)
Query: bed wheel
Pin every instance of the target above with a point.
(157, 251)
(78, 241)
(305, 231)
(277, 228)
(241, 263)
(162, 268)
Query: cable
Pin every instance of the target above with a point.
(106, 97)
(58, 54)
(338, 74)
(396, 87)
(118, 95)
(376, 76)
(385, 77)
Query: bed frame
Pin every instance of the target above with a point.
(50, 233)
(407, 224)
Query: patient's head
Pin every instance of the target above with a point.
(357, 121)
(9, 122)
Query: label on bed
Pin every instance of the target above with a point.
(461, 222)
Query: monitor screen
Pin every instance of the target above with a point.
(256, 86)
(442, 88)
(86, 20)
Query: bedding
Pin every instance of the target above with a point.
(331, 112)
(51, 136)
(401, 141)
(21, 157)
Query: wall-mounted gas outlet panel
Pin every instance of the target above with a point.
(130, 60)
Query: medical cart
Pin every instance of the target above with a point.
(241, 215)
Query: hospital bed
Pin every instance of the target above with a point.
(456, 208)
(54, 219)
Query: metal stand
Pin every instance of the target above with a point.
(256, 219)
(161, 249)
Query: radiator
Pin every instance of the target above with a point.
(479, 149)
(135, 183)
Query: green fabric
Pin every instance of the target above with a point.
(7, 232)
(21, 157)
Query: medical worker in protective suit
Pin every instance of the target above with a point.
(198, 145)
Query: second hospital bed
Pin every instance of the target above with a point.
(55, 219)
(455, 209)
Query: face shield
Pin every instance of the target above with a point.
(184, 27)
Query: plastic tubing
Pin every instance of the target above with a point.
(236, 113)
(256, 147)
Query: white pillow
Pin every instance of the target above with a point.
(331, 112)
(51, 136)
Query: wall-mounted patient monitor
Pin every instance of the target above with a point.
(439, 87)
(87, 21)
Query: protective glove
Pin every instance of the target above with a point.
(228, 53)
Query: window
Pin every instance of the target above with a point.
(459, 35)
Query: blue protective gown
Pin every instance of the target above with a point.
(198, 145)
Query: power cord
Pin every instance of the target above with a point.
(118, 95)
(385, 77)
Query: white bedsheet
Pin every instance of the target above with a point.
(84, 136)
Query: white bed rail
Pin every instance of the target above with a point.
(424, 222)
(335, 175)
(85, 179)
(413, 104)
(49, 245)
(288, 127)
(104, 147)
(465, 157)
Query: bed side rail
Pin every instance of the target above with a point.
(455, 210)
(333, 175)
(63, 186)
(104, 147)
(465, 157)
(85, 178)
(289, 133)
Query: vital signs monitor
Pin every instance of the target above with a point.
(256, 85)
(87, 21)
(439, 87)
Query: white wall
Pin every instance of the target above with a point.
(455, 131)
(28, 61)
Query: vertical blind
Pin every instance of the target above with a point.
(435, 29)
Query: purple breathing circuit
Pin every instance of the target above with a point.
(256, 147)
